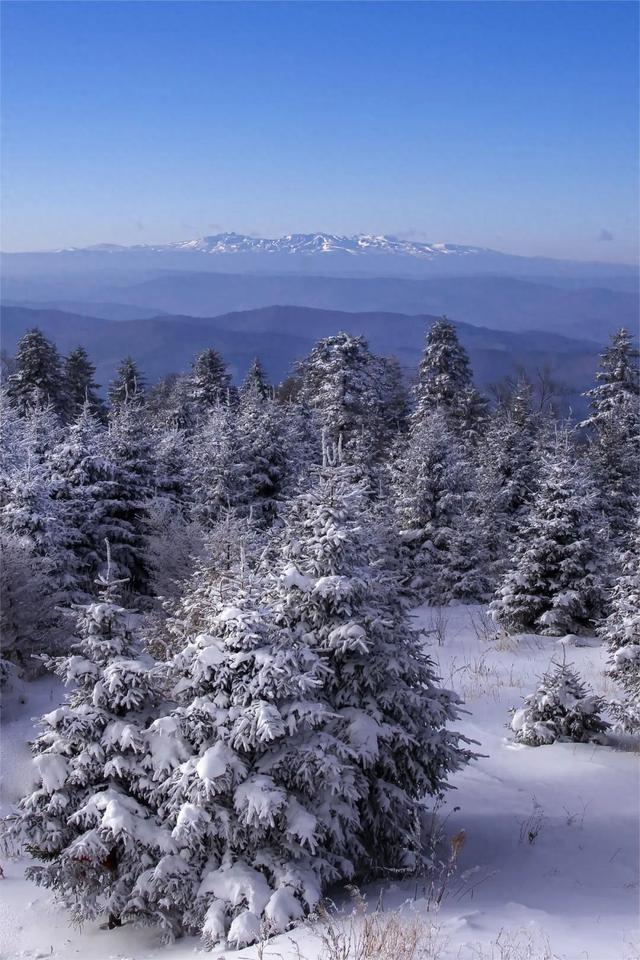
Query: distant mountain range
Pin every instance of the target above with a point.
(309, 253)
(282, 335)
(500, 303)
(358, 245)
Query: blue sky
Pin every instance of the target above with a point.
(512, 125)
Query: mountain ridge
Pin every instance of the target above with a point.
(281, 335)
(300, 252)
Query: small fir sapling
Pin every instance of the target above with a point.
(561, 709)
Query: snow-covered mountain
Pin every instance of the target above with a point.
(299, 243)
(320, 254)
(319, 243)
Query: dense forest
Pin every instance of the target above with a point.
(222, 574)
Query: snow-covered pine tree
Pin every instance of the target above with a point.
(261, 458)
(561, 709)
(29, 620)
(313, 725)
(259, 797)
(27, 509)
(79, 387)
(231, 548)
(471, 418)
(444, 372)
(394, 396)
(124, 520)
(445, 384)
(175, 538)
(169, 404)
(333, 588)
(81, 486)
(303, 443)
(615, 434)
(173, 467)
(128, 387)
(210, 381)
(216, 483)
(507, 465)
(12, 444)
(35, 532)
(555, 584)
(89, 820)
(37, 374)
(42, 430)
(256, 381)
(341, 384)
(621, 632)
(432, 490)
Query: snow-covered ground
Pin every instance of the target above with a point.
(548, 867)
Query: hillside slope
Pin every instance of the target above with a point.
(280, 335)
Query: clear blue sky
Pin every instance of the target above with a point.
(512, 125)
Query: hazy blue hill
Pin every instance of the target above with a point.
(160, 345)
(503, 303)
(282, 334)
(497, 302)
(87, 308)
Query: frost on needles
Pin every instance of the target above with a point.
(560, 709)
(304, 729)
(308, 730)
(91, 821)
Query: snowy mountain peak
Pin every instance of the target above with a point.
(312, 243)
(361, 244)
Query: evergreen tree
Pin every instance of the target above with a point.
(621, 631)
(312, 725)
(560, 709)
(617, 380)
(615, 434)
(89, 820)
(81, 488)
(173, 468)
(432, 487)
(334, 589)
(79, 386)
(245, 805)
(394, 396)
(30, 516)
(261, 461)
(471, 418)
(256, 381)
(42, 431)
(128, 385)
(29, 621)
(555, 583)
(340, 383)
(124, 520)
(175, 538)
(444, 372)
(210, 381)
(445, 384)
(12, 445)
(37, 378)
(303, 444)
(216, 483)
(169, 404)
(507, 464)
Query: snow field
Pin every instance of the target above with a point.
(546, 868)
